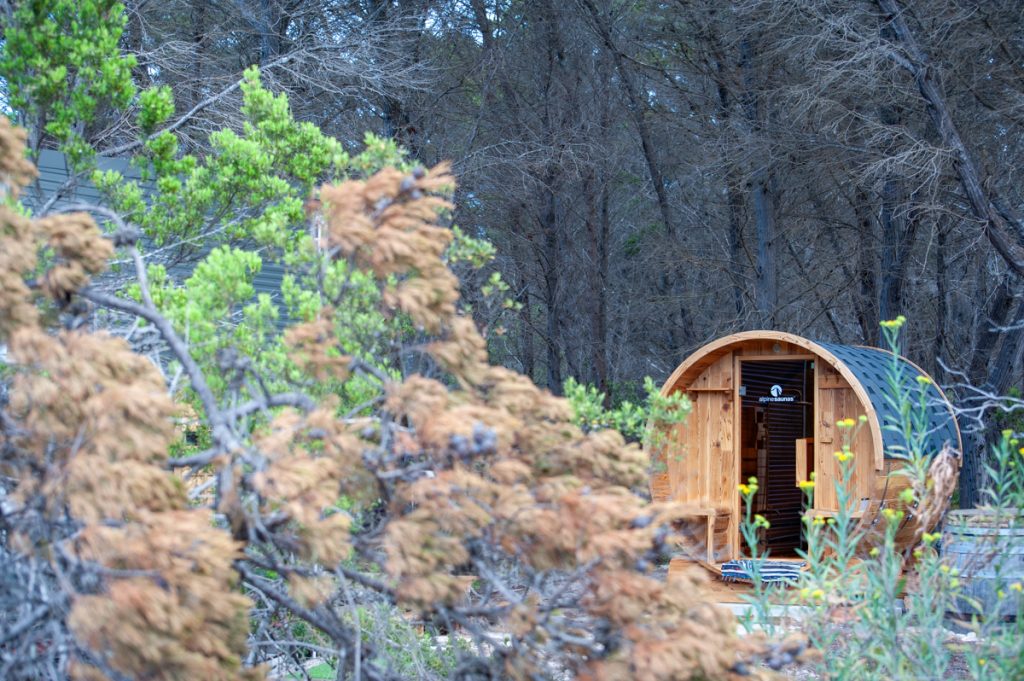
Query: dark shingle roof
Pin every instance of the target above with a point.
(874, 369)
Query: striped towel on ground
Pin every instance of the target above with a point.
(772, 571)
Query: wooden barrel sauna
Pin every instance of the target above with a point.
(766, 404)
(988, 550)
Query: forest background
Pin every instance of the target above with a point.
(651, 175)
(634, 179)
(657, 174)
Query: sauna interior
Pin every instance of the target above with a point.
(773, 433)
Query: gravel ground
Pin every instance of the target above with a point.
(957, 636)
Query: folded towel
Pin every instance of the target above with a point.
(771, 571)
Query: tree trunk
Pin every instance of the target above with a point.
(719, 72)
(898, 232)
(763, 197)
(897, 227)
(550, 226)
(987, 333)
(978, 443)
(199, 43)
(550, 262)
(636, 110)
(1002, 229)
(735, 199)
(866, 302)
(527, 350)
(767, 293)
(133, 36)
(597, 295)
(942, 302)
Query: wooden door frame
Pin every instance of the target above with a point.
(737, 416)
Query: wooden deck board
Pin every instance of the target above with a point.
(729, 592)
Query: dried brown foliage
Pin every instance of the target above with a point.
(17, 250)
(386, 224)
(940, 485)
(86, 435)
(512, 471)
(475, 470)
(179, 618)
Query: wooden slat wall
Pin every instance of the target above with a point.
(681, 452)
(700, 458)
(836, 400)
(661, 490)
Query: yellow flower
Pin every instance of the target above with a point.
(907, 496)
(954, 583)
(744, 489)
(818, 594)
(918, 553)
(1017, 586)
(892, 515)
(944, 569)
(924, 380)
(862, 418)
(931, 537)
(894, 323)
(761, 521)
(874, 552)
(981, 661)
(843, 456)
(805, 484)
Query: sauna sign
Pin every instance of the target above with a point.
(776, 396)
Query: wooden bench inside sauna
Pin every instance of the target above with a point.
(765, 404)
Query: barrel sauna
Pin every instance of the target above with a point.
(766, 404)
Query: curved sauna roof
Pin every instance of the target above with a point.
(867, 370)
(876, 370)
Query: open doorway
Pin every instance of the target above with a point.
(777, 422)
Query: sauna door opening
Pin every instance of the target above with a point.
(777, 422)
